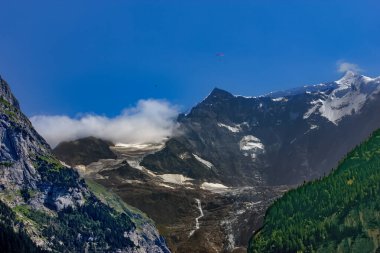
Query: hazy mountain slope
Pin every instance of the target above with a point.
(281, 138)
(84, 151)
(339, 213)
(49, 206)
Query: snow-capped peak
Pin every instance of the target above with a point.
(351, 78)
(348, 78)
(349, 97)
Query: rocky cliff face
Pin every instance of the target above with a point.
(50, 205)
(280, 138)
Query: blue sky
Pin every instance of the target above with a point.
(70, 57)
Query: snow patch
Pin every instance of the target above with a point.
(141, 146)
(135, 164)
(214, 187)
(279, 99)
(166, 186)
(149, 172)
(207, 163)
(348, 96)
(184, 156)
(313, 127)
(334, 109)
(250, 142)
(310, 111)
(64, 164)
(233, 129)
(175, 179)
(80, 168)
(317, 103)
(251, 146)
(249, 97)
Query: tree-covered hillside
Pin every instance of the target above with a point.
(338, 213)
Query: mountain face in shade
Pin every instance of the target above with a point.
(84, 151)
(49, 207)
(280, 138)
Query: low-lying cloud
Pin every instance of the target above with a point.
(150, 121)
(344, 66)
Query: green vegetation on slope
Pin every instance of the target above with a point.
(8, 109)
(93, 225)
(13, 238)
(339, 213)
(114, 201)
(52, 171)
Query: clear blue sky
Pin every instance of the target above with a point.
(66, 57)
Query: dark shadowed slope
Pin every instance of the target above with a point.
(84, 151)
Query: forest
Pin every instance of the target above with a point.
(336, 213)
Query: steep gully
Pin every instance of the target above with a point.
(197, 226)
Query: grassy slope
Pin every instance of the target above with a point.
(114, 201)
(339, 213)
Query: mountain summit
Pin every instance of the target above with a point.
(281, 138)
(6, 93)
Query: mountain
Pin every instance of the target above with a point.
(280, 138)
(84, 151)
(46, 206)
(339, 213)
(174, 202)
(233, 156)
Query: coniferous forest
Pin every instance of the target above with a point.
(337, 213)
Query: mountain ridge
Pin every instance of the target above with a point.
(267, 124)
(236, 155)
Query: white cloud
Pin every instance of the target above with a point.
(344, 67)
(150, 121)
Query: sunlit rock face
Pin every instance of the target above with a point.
(46, 206)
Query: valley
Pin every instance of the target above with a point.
(208, 187)
(189, 126)
(175, 202)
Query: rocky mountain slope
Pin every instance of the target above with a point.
(339, 213)
(235, 155)
(176, 203)
(49, 207)
(280, 138)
